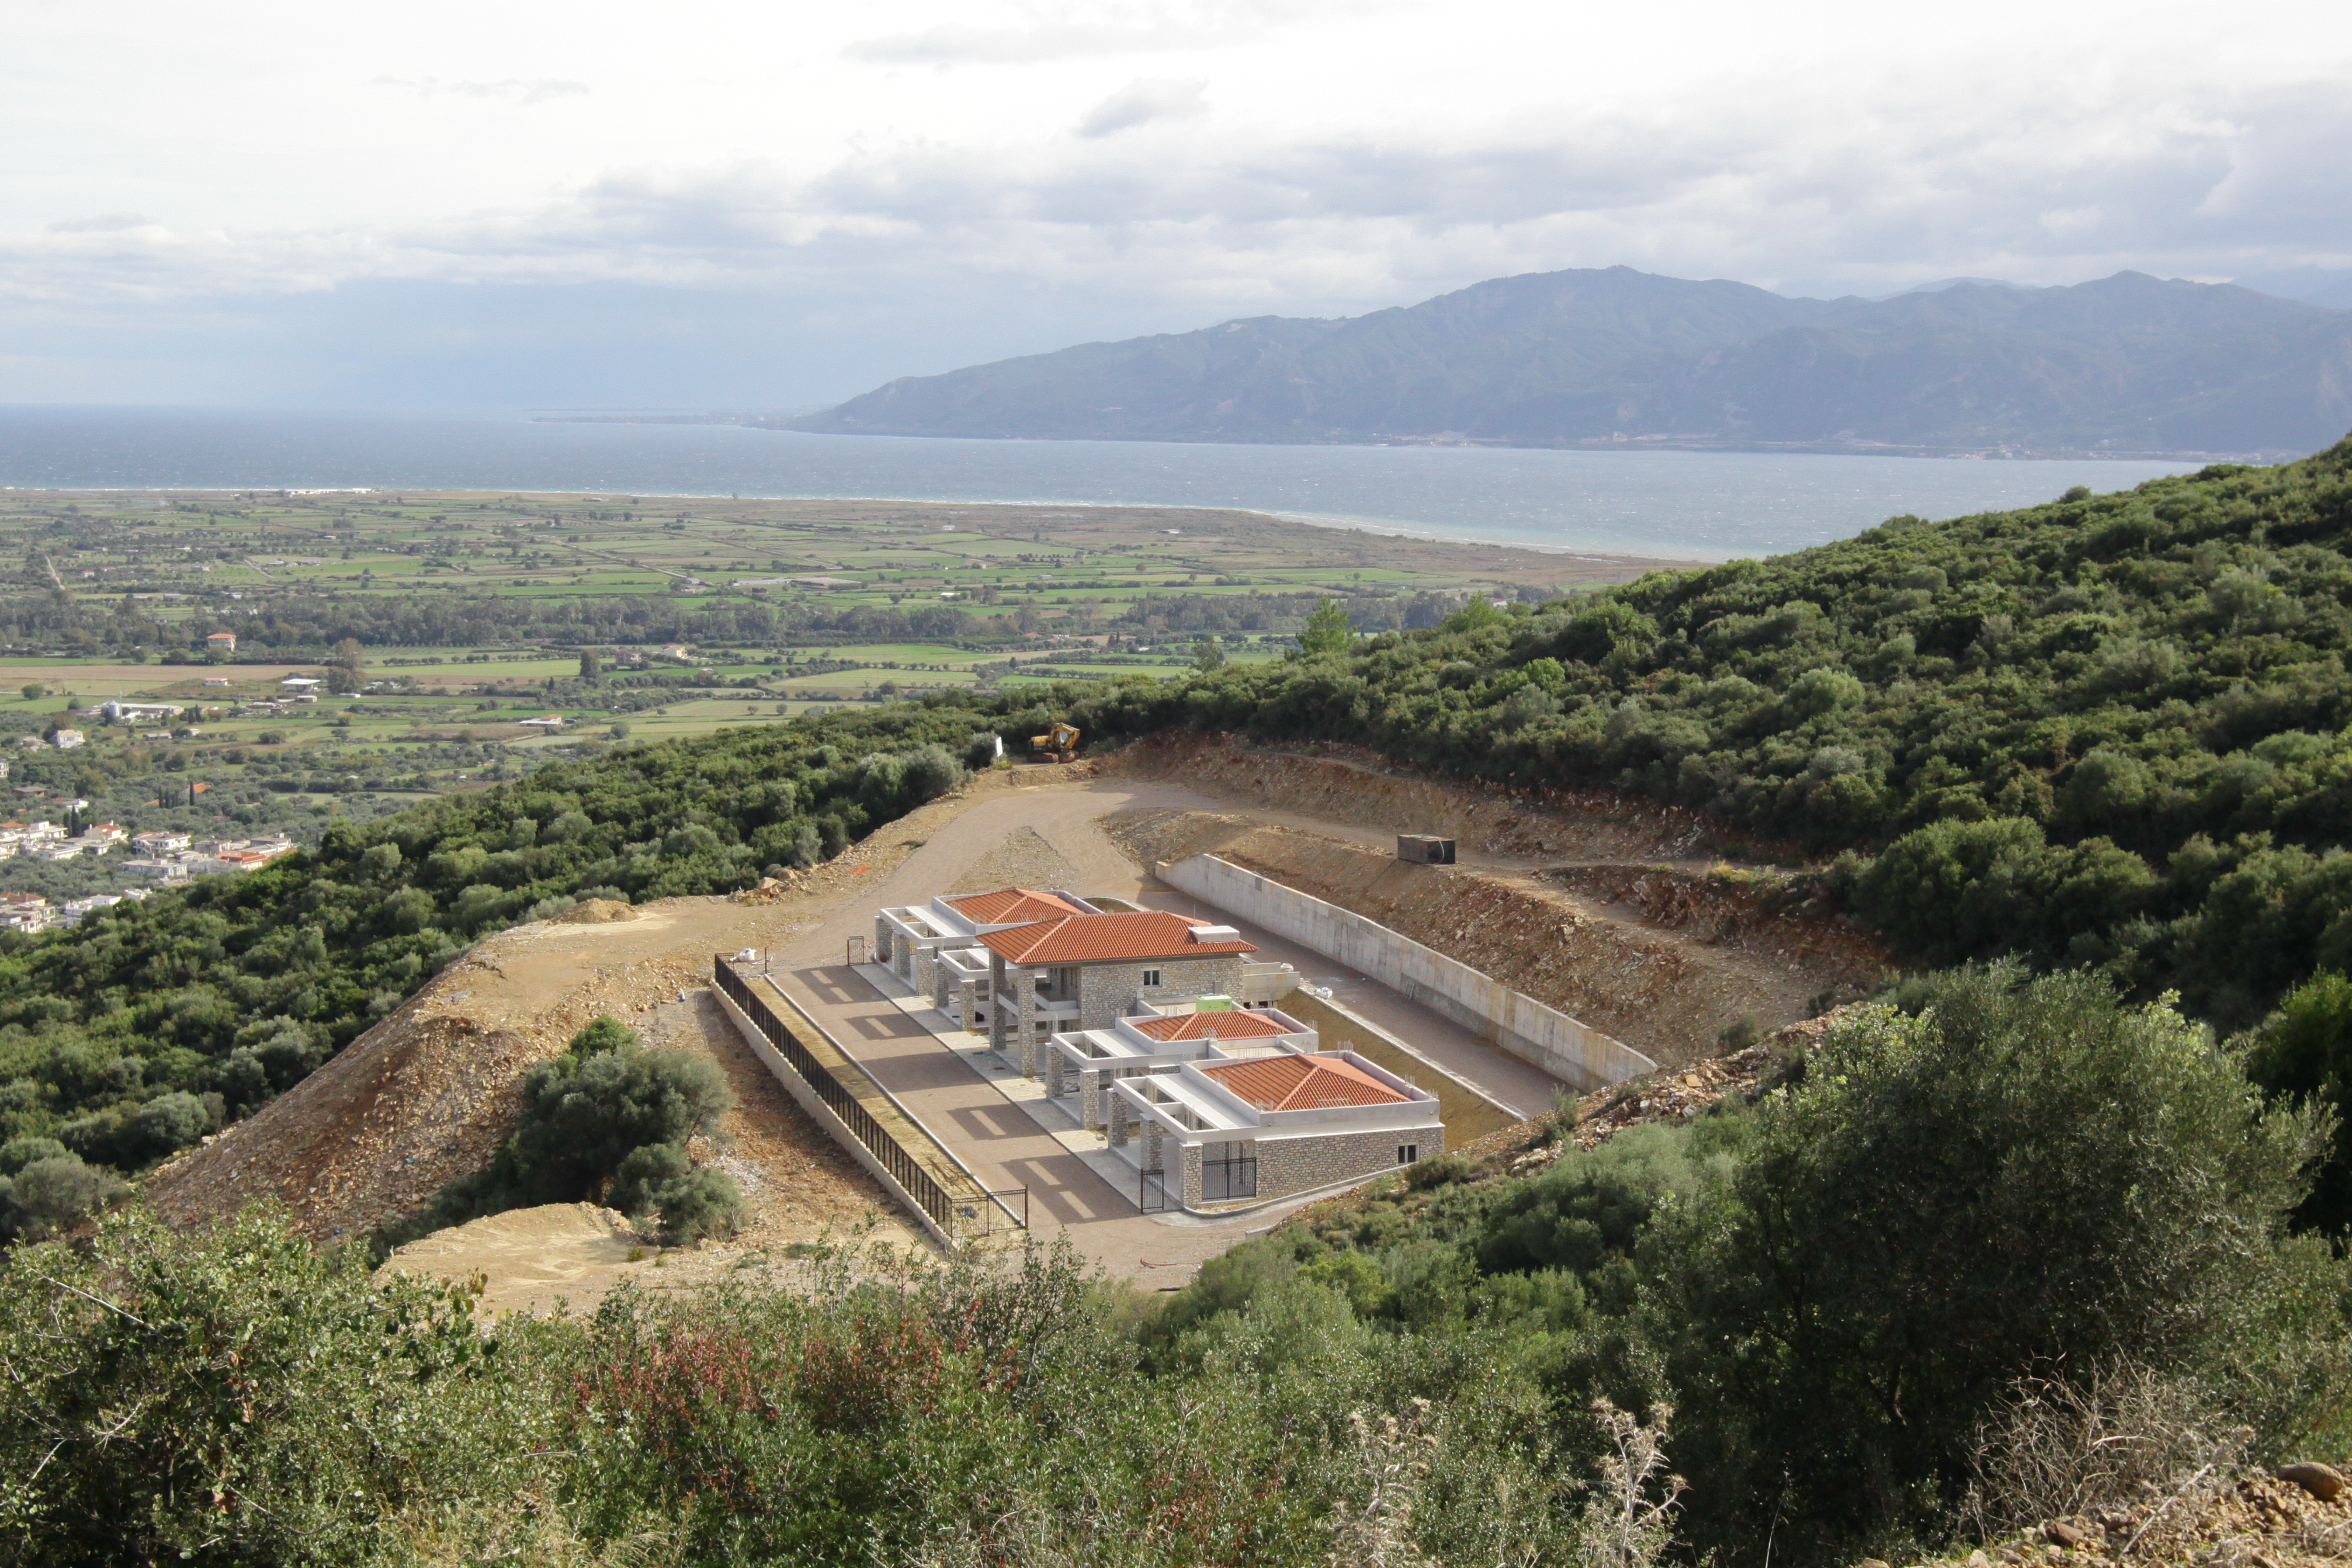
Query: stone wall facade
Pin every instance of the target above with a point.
(1288, 1166)
(1106, 994)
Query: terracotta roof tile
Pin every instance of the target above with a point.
(1108, 939)
(1303, 1083)
(1008, 905)
(1235, 1025)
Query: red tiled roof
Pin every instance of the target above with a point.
(1008, 905)
(1235, 1025)
(1303, 1083)
(1108, 939)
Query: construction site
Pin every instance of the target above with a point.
(1422, 999)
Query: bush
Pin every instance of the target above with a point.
(2025, 1176)
(605, 1033)
(2303, 1054)
(53, 1193)
(583, 1115)
(607, 1120)
(235, 1397)
(704, 1202)
(637, 1182)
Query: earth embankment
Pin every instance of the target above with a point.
(1595, 908)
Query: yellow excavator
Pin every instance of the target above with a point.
(1058, 745)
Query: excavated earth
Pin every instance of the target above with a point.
(1598, 907)
(1583, 905)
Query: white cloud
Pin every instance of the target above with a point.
(512, 89)
(2029, 186)
(1142, 102)
(1360, 155)
(100, 223)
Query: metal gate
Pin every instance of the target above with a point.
(1152, 1191)
(1228, 1171)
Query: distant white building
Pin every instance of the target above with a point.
(545, 722)
(140, 712)
(161, 841)
(225, 641)
(297, 683)
(156, 870)
(66, 740)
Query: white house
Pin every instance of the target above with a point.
(66, 740)
(1206, 1029)
(913, 938)
(1266, 1127)
(1021, 963)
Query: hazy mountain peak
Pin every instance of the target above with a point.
(2124, 364)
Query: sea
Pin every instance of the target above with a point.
(1702, 506)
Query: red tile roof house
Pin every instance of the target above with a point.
(934, 947)
(1089, 971)
(1209, 1029)
(1269, 1127)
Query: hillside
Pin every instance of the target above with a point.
(2125, 363)
(2107, 731)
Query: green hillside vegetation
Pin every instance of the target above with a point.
(2105, 738)
(132, 1034)
(1821, 1305)
(2108, 732)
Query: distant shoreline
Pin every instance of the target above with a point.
(1631, 444)
(413, 493)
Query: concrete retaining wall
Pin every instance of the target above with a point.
(1516, 1022)
(808, 1100)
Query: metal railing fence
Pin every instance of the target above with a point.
(952, 1212)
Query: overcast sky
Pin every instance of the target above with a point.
(723, 203)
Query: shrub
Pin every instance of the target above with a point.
(605, 1033)
(235, 1397)
(51, 1194)
(2303, 1054)
(2025, 1176)
(704, 1202)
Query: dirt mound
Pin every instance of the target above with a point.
(529, 1259)
(2261, 1521)
(595, 911)
(1666, 992)
(426, 1096)
(416, 1102)
(1346, 784)
(1024, 860)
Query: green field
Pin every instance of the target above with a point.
(460, 615)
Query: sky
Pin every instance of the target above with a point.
(723, 204)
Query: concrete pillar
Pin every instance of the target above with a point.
(1117, 1117)
(1154, 1145)
(881, 939)
(1055, 1064)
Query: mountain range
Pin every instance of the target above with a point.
(2125, 364)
